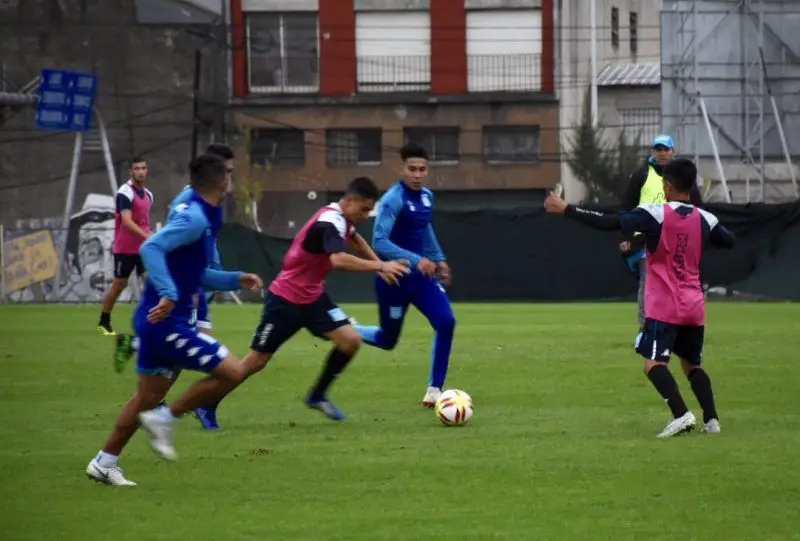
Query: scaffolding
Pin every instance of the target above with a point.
(731, 92)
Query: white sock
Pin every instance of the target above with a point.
(106, 460)
(135, 343)
(165, 414)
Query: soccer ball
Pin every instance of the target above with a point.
(454, 407)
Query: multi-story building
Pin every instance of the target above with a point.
(326, 90)
(628, 52)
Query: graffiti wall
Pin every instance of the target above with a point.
(31, 256)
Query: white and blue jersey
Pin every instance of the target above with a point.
(177, 258)
(403, 228)
(203, 315)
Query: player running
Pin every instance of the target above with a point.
(131, 229)
(176, 258)
(126, 345)
(403, 230)
(297, 297)
(675, 236)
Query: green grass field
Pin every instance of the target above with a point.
(562, 444)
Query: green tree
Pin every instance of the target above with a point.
(603, 168)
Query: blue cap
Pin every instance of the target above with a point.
(663, 140)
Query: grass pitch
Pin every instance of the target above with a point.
(562, 444)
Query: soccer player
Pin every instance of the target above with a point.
(297, 297)
(176, 258)
(131, 228)
(675, 236)
(403, 230)
(126, 345)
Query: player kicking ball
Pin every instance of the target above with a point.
(403, 230)
(176, 259)
(676, 234)
(297, 300)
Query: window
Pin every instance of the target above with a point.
(282, 52)
(353, 146)
(634, 20)
(393, 51)
(277, 147)
(615, 28)
(643, 124)
(441, 143)
(504, 49)
(511, 144)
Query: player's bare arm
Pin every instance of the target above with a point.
(130, 225)
(444, 273)
(349, 262)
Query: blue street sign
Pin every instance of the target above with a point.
(66, 99)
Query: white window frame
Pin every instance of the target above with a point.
(282, 89)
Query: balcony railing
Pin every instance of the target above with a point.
(394, 73)
(504, 72)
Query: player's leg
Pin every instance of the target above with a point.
(432, 301)
(640, 293)
(124, 264)
(207, 415)
(151, 389)
(280, 320)
(689, 348)
(654, 343)
(323, 318)
(392, 307)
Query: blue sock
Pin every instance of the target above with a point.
(440, 357)
(368, 334)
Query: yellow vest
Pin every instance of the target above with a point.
(652, 191)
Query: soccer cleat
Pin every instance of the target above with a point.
(107, 476)
(105, 329)
(712, 427)
(431, 396)
(123, 351)
(207, 418)
(160, 432)
(684, 423)
(327, 408)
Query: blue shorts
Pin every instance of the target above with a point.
(658, 340)
(203, 317)
(172, 345)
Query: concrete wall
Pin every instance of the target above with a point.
(145, 79)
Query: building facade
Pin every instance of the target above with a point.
(326, 90)
(628, 71)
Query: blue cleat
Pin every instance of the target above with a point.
(207, 418)
(327, 408)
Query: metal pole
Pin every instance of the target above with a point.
(196, 103)
(112, 172)
(593, 57)
(714, 148)
(785, 147)
(761, 79)
(73, 181)
(2, 265)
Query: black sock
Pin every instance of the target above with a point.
(105, 318)
(667, 387)
(334, 365)
(701, 385)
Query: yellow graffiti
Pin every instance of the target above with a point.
(29, 259)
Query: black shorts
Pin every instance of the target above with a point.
(281, 319)
(658, 340)
(124, 265)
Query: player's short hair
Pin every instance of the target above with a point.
(682, 174)
(363, 187)
(137, 159)
(206, 172)
(219, 149)
(413, 150)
